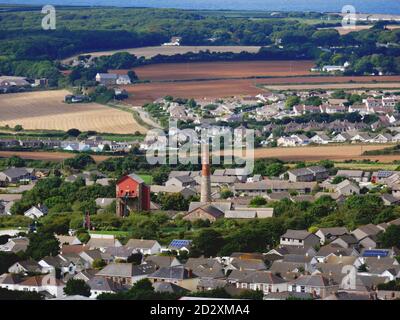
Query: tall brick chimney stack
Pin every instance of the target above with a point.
(205, 174)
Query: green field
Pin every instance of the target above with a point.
(366, 166)
(116, 233)
(148, 179)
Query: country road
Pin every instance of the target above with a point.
(146, 117)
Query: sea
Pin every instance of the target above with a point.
(361, 6)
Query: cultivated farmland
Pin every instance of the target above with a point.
(46, 110)
(148, 92)
(332, 152)
(222, 70)
(212, 89)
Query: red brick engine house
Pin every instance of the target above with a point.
(132, 195)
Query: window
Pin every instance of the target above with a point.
(302, 289)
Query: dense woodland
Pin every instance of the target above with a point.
(26, 50)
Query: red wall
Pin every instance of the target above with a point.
(127, 185)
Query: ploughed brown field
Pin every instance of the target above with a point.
(311, 154)
(148, 92)
(221, 70)
(46, 110)
(213, 89)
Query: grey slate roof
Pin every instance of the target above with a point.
(171, 273)
(296, 234)
(126, 270)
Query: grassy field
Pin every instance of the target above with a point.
(366, 166)
(46, 110)
(116, 233)
(148, 179)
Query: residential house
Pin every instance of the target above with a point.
(25, 267)
(308, 174)
(205, 212)
(181, 181)
(330, 234)
(98, 241)
(146, 247)
(99, 285)
(36, 212)
(180, 245)
(178, 275)
(299, 238)
(265, 281)
(356, 175)
(317, 285)
(15, 175)
(347, 188)
(366, 235)
(320, 138)
(15, 245)
(126, 273)
(51, 264)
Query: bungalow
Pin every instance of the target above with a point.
(347, 188)
(308, 174)
(317, 285)
(181, 181)
(25, 267)
(180, 245)
(15, 175)
(299, 238)
(382, 138)
(330, 234)
(205, 212)
(265, 281)
(15, 245)
(126, 273)
(266, 186)
(99, 285)
(47, 283)
(146, 247)
(361, 137)
(101, 242)
(356, 175)
(366, 235)
(293, 141)
(320, 138)
(178, 275)
(51, 264)
(342, 137)
(36, 212)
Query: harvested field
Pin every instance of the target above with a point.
(212, 89)
(149, 52)
(148, 92)
(221, 70)
(333, 152)
(46, 110)
(46, 156)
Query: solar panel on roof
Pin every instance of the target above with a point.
(375, 253)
